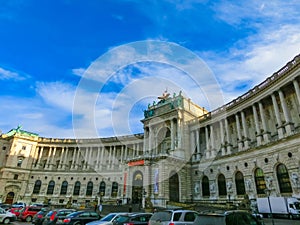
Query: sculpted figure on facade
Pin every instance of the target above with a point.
(212, 187)
(295, 179)
(196, 188)
(229, 186)
(269, 182)
(249, 184)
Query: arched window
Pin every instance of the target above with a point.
(114, 189)
(283, 179)
(64, 188)
(76, 188)
(222, 185)
(20, 160)
(260, 181)
(89, 188)
(50, 188)
(37, 187)
(102, 188)
(205, 187)
(239, 183)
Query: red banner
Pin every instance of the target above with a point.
(124, 186)
(136, 163)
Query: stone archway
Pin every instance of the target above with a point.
(137, 188)
(9, 198)
(174, 187)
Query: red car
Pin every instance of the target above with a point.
(27, 213)
(15, 211)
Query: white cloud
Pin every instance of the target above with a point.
(263, 55)
(11, 75)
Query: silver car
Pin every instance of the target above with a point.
(173, 217)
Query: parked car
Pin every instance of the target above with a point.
(57, 216)
(173, 216)
(18, 205)
(16, 211)
(81, 218)
(176, 217)
(108, 219)
(27, 213)
(38, 218)
(39, 205)
(133, 219)
(7, 217)
(233, 217)
(5, 206)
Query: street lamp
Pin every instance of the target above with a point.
(268, 192)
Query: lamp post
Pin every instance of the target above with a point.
(268, 192)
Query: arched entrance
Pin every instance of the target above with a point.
(174, 187)
(10, 198)
(137, 188)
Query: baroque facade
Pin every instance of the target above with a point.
(249, 146)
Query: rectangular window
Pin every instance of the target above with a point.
(16, 176)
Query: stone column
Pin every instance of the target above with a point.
(193, 144)
(102, 149)
(212, 139)
(266, 133)
(150, 140)
(228, 145)
(278, 119)
(288, 123)
(52, 158)
(66, 158)
(90, 163)
(74, 158)
(238, 128)
(297, 90)
(98, 158)
(198, 142)
(245, 130)
(172, 135)
(86, 158)
(122, 153)
(78, 158)
(207, 153)
(61, 157)
(223, 150)
(179, 133)
(257, 128)
(49, 157)
(39, 163)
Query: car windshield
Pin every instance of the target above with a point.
(122, 218)
(297, 205)
(73, 214)
(109, 217)
(162, 216)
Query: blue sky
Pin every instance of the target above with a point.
(49, 47)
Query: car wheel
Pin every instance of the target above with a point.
(6, 221)
(28, 219)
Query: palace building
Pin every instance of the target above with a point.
(249, 146)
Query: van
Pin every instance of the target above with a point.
(174, 217)
(27, 213)
(232, 217)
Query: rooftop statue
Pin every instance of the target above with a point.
(164, 96)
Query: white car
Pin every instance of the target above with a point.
(108, 219)
(7, 217)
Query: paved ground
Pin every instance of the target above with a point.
(267, 222)
(282, 222)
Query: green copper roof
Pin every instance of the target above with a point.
(22, 132)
